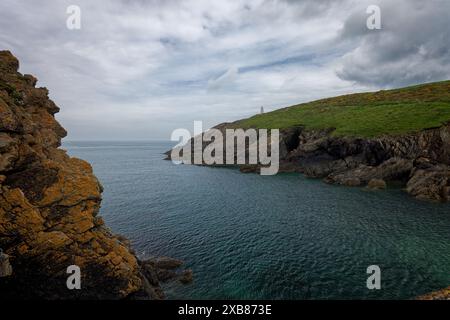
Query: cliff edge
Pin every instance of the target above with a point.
(49, 204)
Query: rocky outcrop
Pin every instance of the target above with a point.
(420, 161)
(49, 204)
(431, 183)
(443, 294)
(377, 184)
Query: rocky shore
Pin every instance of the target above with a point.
(420, 162)
(49, 204)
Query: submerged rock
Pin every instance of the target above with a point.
(186, 276)
(165, 269)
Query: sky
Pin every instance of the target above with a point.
(137, 70)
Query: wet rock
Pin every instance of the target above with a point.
(377, 184)
(167, 263)
(165, 275)
(430, 184)
(165, 269)
(186, 277)
(350, 181)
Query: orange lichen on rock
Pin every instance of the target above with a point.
(443, 294)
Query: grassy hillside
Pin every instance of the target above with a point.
(371, 114)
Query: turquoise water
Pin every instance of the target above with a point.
(269, 237)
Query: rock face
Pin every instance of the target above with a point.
(49, 204)
(420, 161)
(443, 294)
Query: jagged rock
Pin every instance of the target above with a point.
(164, 269)
(167, 263)
(49, 204)
(430, 184)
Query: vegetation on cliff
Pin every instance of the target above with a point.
(373, 114)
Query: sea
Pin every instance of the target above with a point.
(247, 236)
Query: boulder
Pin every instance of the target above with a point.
(186, 277)
(376, 184)
(430, 184)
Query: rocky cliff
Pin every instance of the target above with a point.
(420, 162)
(49, 204)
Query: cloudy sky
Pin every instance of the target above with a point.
(140, 69)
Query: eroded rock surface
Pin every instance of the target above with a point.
(49, 204)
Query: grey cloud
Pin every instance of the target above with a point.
(412, 47)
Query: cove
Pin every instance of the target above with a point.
(247, 236)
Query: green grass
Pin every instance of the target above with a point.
(387, 112)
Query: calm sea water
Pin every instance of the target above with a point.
(280, 237)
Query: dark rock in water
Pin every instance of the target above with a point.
(377, 184)
(167, 263)
(186, 276)
(164, 269)
(165, 275)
